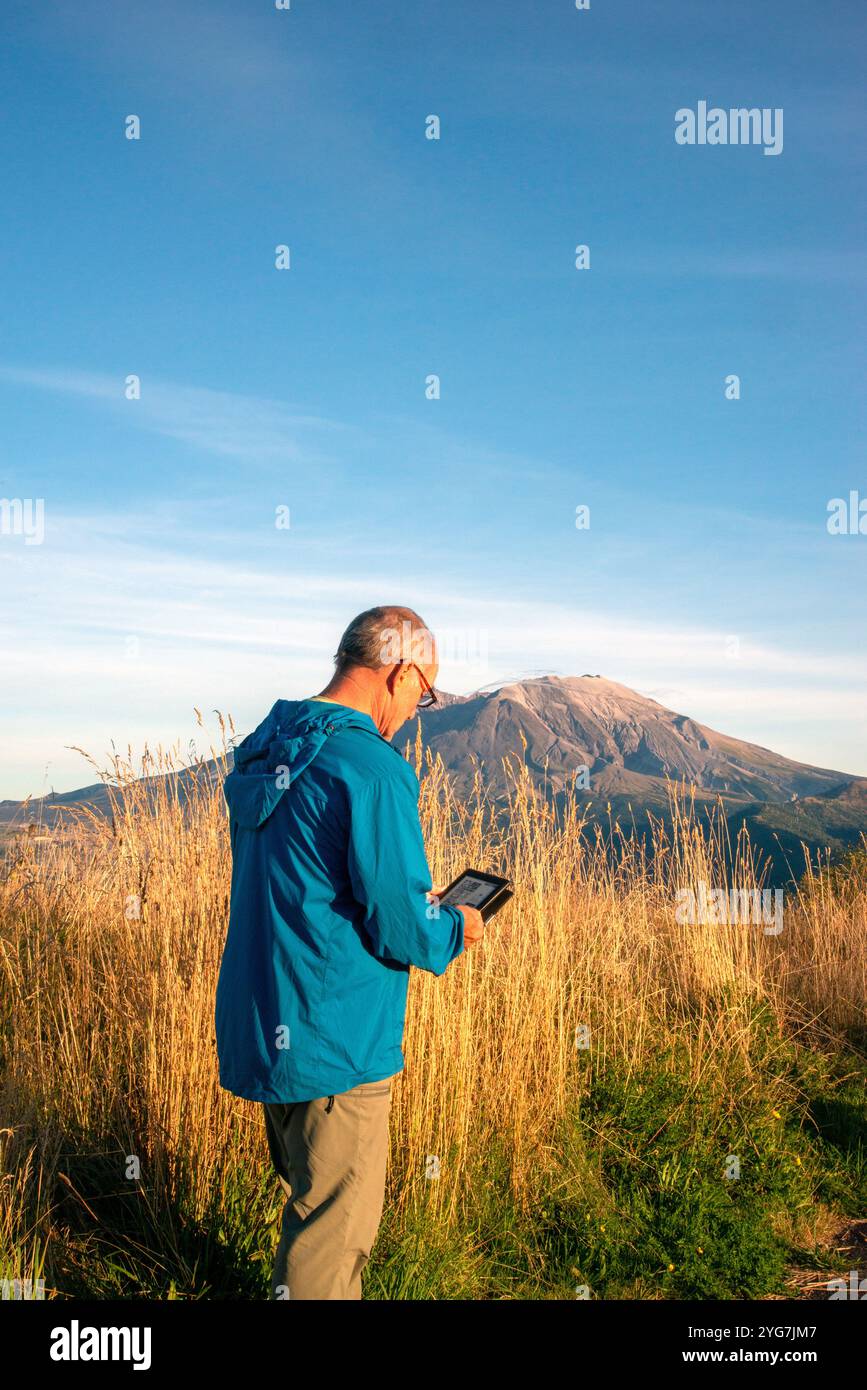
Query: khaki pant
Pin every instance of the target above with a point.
(330, 1155)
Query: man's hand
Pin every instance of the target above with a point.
(474, 923)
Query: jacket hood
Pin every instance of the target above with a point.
(277, 752)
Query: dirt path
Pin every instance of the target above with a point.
(846, 1247)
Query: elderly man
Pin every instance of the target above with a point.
(330, 907)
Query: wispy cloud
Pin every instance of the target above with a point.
(136, 634)
(218, 422)
(247, 427)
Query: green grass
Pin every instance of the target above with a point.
(632, 1200)
(640, 1206)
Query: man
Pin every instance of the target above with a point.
(330, 906)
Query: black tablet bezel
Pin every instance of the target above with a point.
(500, 895)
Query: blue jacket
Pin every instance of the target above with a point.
(328, 907)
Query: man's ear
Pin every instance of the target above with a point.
(391, 680)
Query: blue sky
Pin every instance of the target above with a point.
(707, 578)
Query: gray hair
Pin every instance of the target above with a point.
(382, 636)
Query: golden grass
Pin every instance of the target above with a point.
(107, 1017)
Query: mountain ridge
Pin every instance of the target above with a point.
(616, 748)
(619, 735)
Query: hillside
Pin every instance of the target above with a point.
(630, 747)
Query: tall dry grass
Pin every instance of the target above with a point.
(107, 1016)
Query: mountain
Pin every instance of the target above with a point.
(629, 747)
(628, 742)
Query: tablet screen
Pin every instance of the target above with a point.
(471, 889)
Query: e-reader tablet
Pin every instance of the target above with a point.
(487, 892)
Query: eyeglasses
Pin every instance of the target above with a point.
(429, 696)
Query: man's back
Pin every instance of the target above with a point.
(328, 907)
